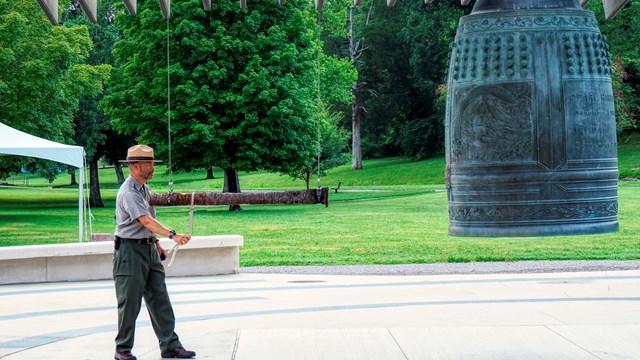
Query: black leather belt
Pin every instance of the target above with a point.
(143, 241)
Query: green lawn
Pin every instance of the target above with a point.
(377, 173)
(629, 157)
(394, 211)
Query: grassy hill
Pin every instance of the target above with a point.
(629, 157)
(376, 173)
(392, 211)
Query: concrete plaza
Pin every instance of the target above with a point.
(248, 316)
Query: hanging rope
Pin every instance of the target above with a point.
(175, 248)
(173, 252)
(170, 169)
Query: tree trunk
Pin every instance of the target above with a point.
(232, 185)
(355, 51)
(73, 178)
(356, 121)
(119, 174)
(210, 173)
(307, 178)
(95, 200)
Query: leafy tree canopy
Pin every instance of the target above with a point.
(242, 83)
(406, 57)
(42, 74)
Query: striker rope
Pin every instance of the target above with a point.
(175, 248)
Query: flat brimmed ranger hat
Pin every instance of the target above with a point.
(140, 153)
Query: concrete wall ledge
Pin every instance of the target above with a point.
(204, 255)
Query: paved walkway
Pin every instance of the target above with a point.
(583, 315)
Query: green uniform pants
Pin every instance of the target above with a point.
(138, 273)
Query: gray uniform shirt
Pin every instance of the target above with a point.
(131, 203)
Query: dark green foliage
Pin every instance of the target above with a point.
(623, 37)
(405, 62)
(42, 76)
(91, 124)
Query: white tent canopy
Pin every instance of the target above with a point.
(15, 142)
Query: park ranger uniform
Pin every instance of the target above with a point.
(138, 271)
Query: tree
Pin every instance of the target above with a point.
(103, 141)
(340, 47)
(42, 76)
(335, 74)
(395, 101)
(421, 132)
(115, 149)
(332, 143)
(356, 49)
(91, 124)
(239, 90)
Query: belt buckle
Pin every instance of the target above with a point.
(149, 240)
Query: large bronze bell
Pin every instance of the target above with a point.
(530, 128)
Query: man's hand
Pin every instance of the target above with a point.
(163, 253)
(181, 238)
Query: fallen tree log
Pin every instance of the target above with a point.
(312, 196)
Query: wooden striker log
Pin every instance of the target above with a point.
(312, 196)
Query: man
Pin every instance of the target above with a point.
(137, 269)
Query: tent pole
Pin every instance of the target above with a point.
(80, 203)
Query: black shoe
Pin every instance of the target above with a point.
(179, 352)
(127, 355)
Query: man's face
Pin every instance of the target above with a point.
(145, 169)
